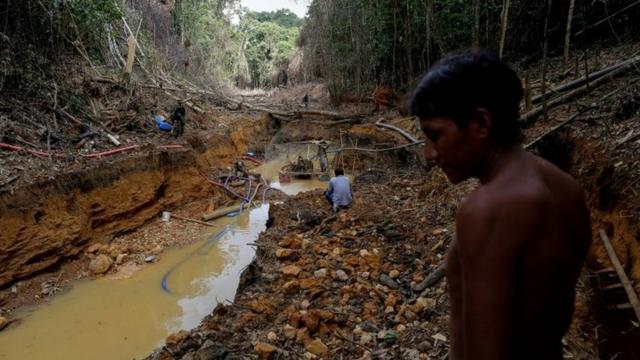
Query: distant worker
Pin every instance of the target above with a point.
(305, 101)
(522, 235)
(177, 120)
(339, 194)
(322, 155)
(300, 165)
(241, 169)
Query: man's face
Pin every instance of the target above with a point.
(458, 152)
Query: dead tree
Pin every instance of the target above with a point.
(545, 48)
(476, 25)
(503, 27)
(567, 35)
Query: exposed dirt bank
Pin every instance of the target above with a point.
(46, 222)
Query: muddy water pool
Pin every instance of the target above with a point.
(126, 317)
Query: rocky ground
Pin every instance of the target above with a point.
(365, 283)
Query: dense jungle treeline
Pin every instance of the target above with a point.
(356, 44)
(351, 45)
(211, 42)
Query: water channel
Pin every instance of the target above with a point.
(126, 317)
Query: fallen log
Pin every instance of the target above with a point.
(531, 115)
(296, 114)
(582, 81)
(408, 136)
(631, 293)
(376, 150)
(221, 212)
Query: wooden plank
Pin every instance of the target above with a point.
(631, 293)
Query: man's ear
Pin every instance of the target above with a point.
(483, 122)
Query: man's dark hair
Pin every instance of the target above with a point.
(339, 171)
(464, 81)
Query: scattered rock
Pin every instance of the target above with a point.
(284, 253)
(364, 252)
(320, 273)
(289, 331)
(100, 264)
(369, 327)
(411, 354)
(272, 336)
(311, 321)
(156, 250)
(364, 275)
(175, 338)
(120, 258)
(437, 232)
(389, 310)
(366, 339)
(3, 322)
(264, 350)
(291, 287)
(291, 270)
(94, 248)
(425, 346)
(211, 351)
(388, 281)
(150, 259)
(317, 347)
(341, 275)
(305, 304)
(394, 274)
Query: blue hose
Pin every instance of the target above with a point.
(165, 278)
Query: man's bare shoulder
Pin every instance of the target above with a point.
(493, 201)
(508, 208)
(557, 179)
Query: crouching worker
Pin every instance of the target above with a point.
(339, 193)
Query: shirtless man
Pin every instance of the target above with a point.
(522, 235)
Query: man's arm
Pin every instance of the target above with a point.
(330, 188)
(490, 233)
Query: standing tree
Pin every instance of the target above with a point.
(476, 25)
(503, 26)
(567, 35)
(545, 53)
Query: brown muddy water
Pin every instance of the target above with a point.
(126, 315)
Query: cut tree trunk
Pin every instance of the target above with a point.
(503, 27)
(567, 35)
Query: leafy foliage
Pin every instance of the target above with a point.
(283, 17)
(355, 44)
(269, 46)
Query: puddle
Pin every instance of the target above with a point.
(113, 318)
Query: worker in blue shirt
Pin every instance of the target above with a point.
(339, 194)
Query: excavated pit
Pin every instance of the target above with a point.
(130, 312)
